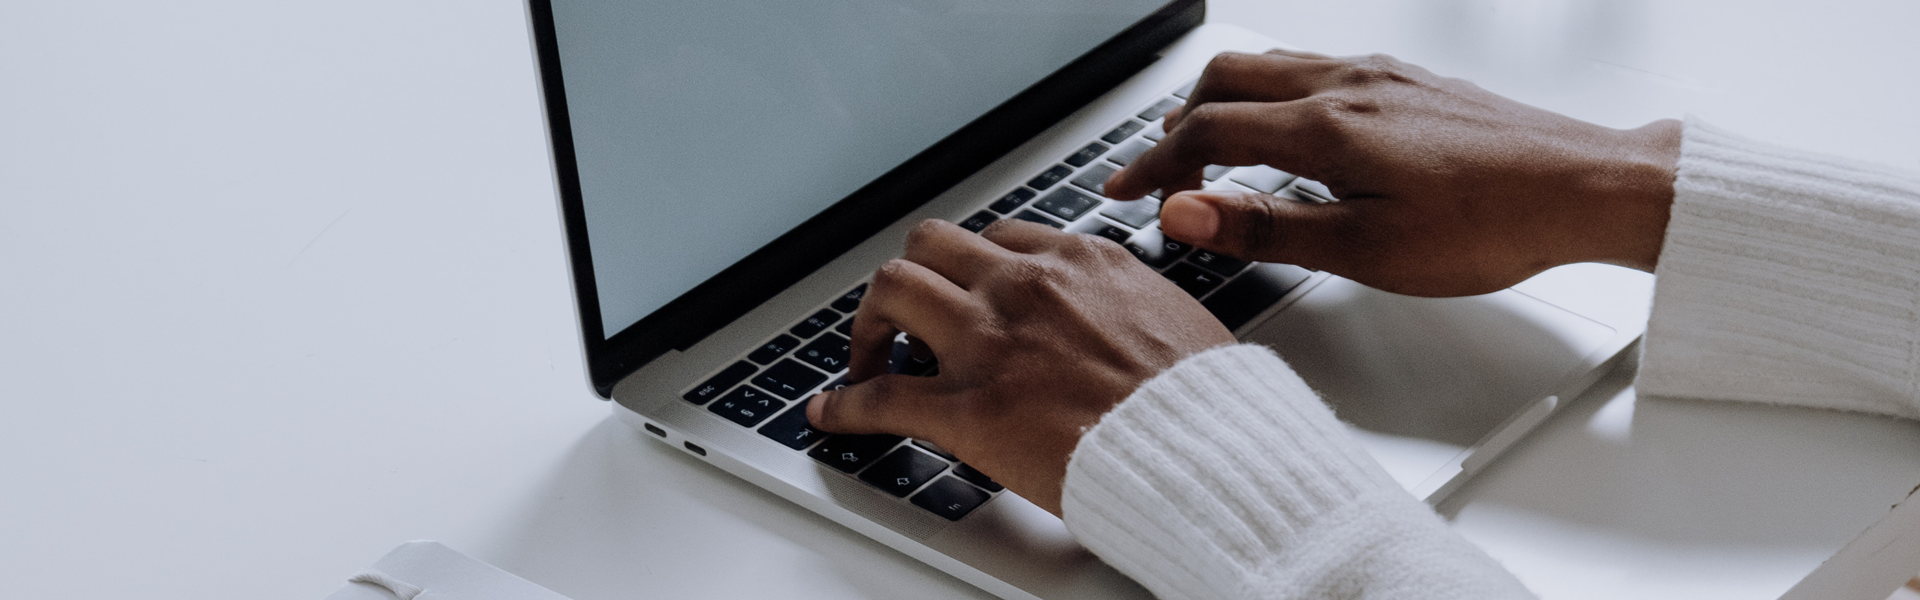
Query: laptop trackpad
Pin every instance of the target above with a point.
(1423, 378)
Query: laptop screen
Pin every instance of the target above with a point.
(705, 129)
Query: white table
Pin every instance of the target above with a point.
(284, 287)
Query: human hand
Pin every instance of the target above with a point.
(1446, 189)
(1039, 333)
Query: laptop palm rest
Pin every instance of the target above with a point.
(1422, 380)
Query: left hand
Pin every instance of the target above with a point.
(1038, 332)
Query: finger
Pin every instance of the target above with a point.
(952, 251)
(897, 404)
(1300, 54)
(1238, 77)
(1265, 228)
(1024, 237)
(906, 296)
(1237, 134)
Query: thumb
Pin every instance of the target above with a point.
(1260, 226)
(897, 404)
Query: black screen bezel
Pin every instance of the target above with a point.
(786, 260)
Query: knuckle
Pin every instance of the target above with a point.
(1204, 119)
(1345, 105)
(1257, 231)
(891, 274)
(1225, 61)
(1033, 271)
(994, 229)
(1081, 248)
(918, 235)
(1110, 251)
(1323, 113)
(1376, 68)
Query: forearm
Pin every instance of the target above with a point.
(1226, 477)
(1787, 277)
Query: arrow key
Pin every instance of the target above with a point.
(849, 453)
(792, 429)
(950, 498)
(903, 471)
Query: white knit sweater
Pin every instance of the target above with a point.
(1786, 278)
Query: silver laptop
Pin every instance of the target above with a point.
(730, 173)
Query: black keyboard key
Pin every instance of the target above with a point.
(1185, 90)
(903, 471)
(1159, 109)
(1086, 155)
(815, 324)
(1067, 203)
(1195, 280)
(1047, 178)
(1218, 263)
(1213, 172)
(837, 384)
(934, 448)
(1124, 131)
(1011, 201)
(718, 384)
(774, 349)
(850, 301)
(1095, 177)
(792, 429)
(1127, 153)
(1253, 292)
(1118, 235)
(849, 453)
(746, 406)
(829, 353)
(1154, 133)
(789, 379)
(845, 327)
(1102, 228)
(1135, 213)
(1027, 215)
(1155, 249)
(950, 498)
(978, 221)
(974, 476)
(902, 361)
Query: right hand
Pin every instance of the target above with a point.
(1446, 189)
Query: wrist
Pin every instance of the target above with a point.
(1636, 194)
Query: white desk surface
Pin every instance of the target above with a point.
(284, 287)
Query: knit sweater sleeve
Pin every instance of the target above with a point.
(1787, 277)
(1226, 477)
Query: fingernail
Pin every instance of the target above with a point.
(1186, 217)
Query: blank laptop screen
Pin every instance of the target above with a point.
(704, 129)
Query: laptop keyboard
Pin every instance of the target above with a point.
(768, 388)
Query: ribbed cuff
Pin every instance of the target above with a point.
(1226, 477)
(1787, 277)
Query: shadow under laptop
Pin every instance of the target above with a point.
(623, 516)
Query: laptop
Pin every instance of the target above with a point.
(730, 173)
